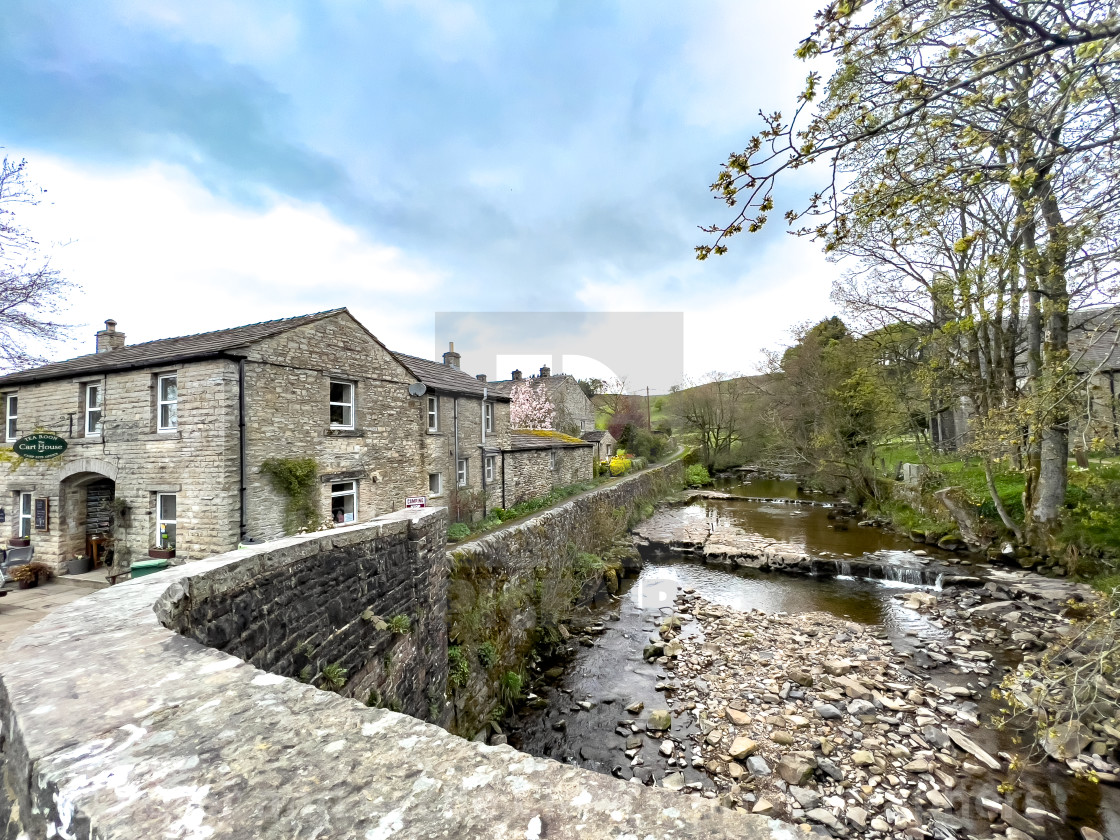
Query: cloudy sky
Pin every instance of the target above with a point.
(208, 164)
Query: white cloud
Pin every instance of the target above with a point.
(154, 250)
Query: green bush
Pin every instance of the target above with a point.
(1092, 523)
(697, 476)
(487, 655)
(458, 668)
(458, 531)
(400, 624)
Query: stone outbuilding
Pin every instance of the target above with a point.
(604, 443)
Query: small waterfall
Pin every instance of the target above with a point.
(907, 575)
(844, 568)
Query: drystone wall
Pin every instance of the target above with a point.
(117, 727)
(336, 602)
(510, 589)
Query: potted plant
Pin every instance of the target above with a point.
(24, 575)
(79, 565)
(42, 572)
(19, 542)
(166, 552)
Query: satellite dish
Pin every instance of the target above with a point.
(417, 389)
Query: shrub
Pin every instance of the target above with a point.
(487, 655)
(509, 688)
(620, 466)
(697, 475)
(298, 479)
(400, 624)
(458, 668)
(333, 677)
(458, 531)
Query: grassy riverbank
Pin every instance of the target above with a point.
(1086, 546)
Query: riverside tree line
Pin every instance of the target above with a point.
(967, 157)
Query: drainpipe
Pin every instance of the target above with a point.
(503, 478)
(242, 449)
(455, 466)
(482, 449)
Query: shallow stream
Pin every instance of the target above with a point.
(584, 709)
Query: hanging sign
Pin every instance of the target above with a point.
(40, 446)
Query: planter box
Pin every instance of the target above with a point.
(161, 553)
(19, 542)
(79, 566)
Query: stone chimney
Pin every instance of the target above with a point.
(451, 358)
(108, 338)
(546, 370)
(481, 377)
(517, 376)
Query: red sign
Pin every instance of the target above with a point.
(416, 502)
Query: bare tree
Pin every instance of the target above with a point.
(31, 292)
(714, 410)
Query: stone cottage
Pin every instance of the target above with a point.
(604, 443)
(475, 461)
(574, 413)
(166, 439)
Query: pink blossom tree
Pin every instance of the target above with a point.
(530, 408)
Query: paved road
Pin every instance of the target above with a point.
(21, 608)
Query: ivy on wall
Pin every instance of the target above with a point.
(297, 479)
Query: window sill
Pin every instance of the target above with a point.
(435, 433)
(345, 433)
(173, 434)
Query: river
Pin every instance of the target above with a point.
(580, 723)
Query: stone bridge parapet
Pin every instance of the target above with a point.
(116, 726)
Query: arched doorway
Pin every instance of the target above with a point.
(87, 492)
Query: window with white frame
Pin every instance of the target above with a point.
(167, 397)
(490, 469)
(461, 472)
(435, 483)
(11, 406)
(24, 524)
(433, 414)
(552, 459)
(342, 404)
(488, 417)
(344, 502)
(93, 409)
(166, 519)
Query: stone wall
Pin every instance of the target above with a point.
(529, 472)
(117, 727)
(509, 588)
(325, 602)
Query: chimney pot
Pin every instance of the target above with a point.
(546, 370)
(109, 339)
(481, 377)
(451, 358)
(517, 375)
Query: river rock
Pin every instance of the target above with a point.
(1017, 821)
(636, 708)
(736, 717)
(666, 748)
(938, 800)
(863, 758)
(824, 817)
(762, 806)
(659, 720)
(742, 747)
(827, 711)
(856, 816)
(970, 746)
(782, 738)
(853, 688)
(861, 707)
(758, 766)
(673, 781)
(1065, 741)
(806, 798)
(796, 769)
(801, 677)
(1090, 833)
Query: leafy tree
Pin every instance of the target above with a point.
(590, 387)
(983, 123)
(31, 292)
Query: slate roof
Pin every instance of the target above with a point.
(446, 379)
(544, 440)
(1094, 338)
(595, 436)
(165, 350)
(551, 384)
